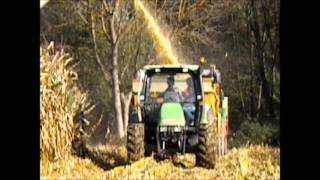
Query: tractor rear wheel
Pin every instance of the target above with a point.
(135, 141)
(207, 146)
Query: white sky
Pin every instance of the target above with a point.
(43, 2)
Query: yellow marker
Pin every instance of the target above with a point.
(202, 61)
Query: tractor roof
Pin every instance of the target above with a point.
(188, 66)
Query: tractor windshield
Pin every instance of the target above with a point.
(163, 90)
(182, 84)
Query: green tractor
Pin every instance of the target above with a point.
(176, 108)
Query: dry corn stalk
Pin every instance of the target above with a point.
(60, 102)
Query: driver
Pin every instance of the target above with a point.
(189, 99)
(188, 93)
(170, 94)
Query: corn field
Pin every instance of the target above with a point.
(60, 102)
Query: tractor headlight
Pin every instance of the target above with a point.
(177, 129)
(172, 129)
(163, 129)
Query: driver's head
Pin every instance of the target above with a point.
(170, 81)
(190, 82)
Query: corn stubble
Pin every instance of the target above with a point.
(248, 162)
(61, 100)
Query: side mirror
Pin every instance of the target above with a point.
(141, 98)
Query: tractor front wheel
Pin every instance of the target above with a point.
(135, 141)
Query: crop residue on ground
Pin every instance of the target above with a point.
(109, 162)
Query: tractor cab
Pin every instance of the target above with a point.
(171, 99)
(171, 91)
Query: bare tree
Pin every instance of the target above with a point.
(110, 23)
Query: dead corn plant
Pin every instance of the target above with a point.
(60, 102)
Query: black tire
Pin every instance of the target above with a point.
(135, 142)
(207, 147)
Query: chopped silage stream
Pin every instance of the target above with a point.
(109, 162)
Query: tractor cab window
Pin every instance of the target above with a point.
(166, 88)
(182, 84)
